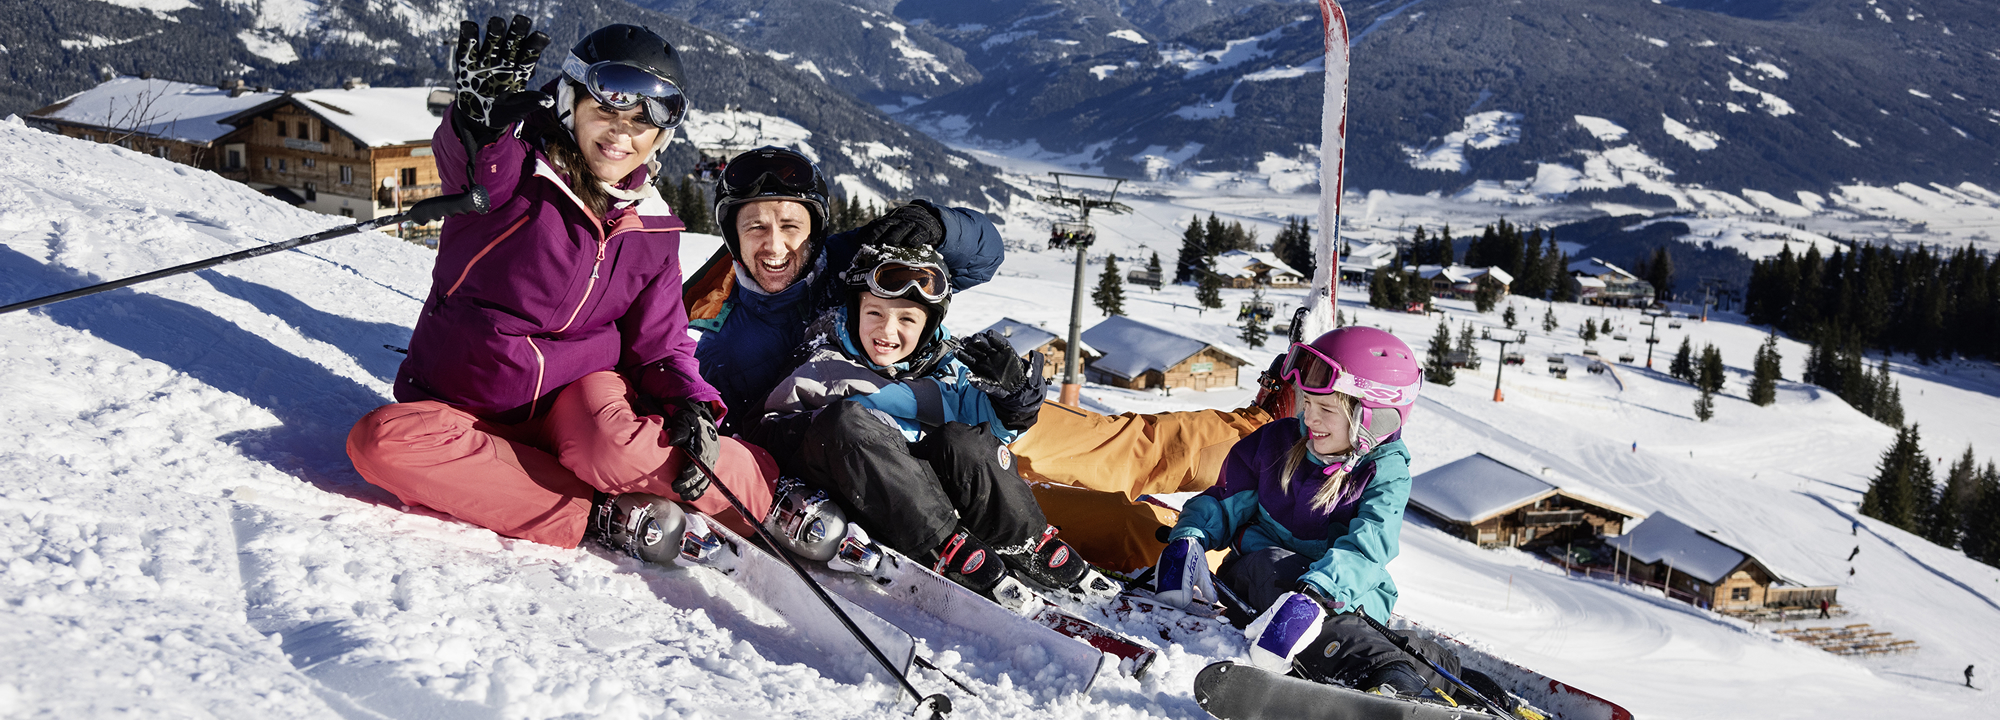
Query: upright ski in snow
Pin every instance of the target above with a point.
(1318, 315)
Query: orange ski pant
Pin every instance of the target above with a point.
(1089, 471)
(535, 480)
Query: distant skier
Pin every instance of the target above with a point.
(1824, 606)
(906, 427)
(1313, 506)
(1968, 676)
(550, 368)
(1857, 551)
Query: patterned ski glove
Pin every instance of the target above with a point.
(691, 428)
(993, 362)
(911, 225)
(491, 77)
(1291, 623)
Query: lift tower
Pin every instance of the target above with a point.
(1076, 231)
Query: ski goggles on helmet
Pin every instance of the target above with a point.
(623, 86)
(761, 171)
(1315, 373)
(895, 279)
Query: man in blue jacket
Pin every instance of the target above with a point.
(772, 207)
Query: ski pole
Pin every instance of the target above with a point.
(433, 209)
(939, 705)
(1404, 644)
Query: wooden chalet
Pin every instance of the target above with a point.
(1245, 269)
(358, 151)
(1494, 504)
(1029, 337)
(178, 121)
(1137, 356)
(1462, 281)
(1597, 282)
(1695, 565)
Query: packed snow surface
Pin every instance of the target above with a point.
(184, 536)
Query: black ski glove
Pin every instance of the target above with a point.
(491, 77)
(993, 362)
(691, 428)
(912, 225)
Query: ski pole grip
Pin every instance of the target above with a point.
(443, 206)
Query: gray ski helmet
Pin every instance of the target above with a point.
(631, 45)
(861, 276)
(770, 173)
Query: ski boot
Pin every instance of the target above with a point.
(643, 526)
(806, 522)
(965, 559)
(1053, 564)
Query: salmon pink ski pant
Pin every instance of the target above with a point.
(534, 480)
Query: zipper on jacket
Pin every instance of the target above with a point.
(588, 287)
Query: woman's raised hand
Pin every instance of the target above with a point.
(491, 77)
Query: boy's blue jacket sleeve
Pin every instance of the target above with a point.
(972, 247)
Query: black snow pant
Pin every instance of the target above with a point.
(1348, 651)
(912, 496)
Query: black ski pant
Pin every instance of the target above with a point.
(1348, 650)
(912, 496)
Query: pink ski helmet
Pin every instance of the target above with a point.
(1368, 364)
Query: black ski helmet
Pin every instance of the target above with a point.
(768, 173)
(629, 44)
(870, 261)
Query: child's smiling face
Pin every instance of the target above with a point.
(889, 328)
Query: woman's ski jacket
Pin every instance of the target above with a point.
(1352, 541)
(539, 292)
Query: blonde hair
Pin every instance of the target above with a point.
(1329, 489)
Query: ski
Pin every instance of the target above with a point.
(1041, 639)
(1242, 692)
(780, 617)
(1560, 699)
(1136, 612)
(1319, 312)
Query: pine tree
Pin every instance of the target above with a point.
(1154, 266)
(1193, 259)
(1254, 331)
(1209, 292)
(1589, 331)
(1764, 380)
(1893, 494)
(1549, 320)
(1437, 361)
(1888, 397)
(1218, 236)
(1704, 406)
(1510, 318)
(1682, 367)
(1660, 272)
(1109, 297)
(1294, 246)
(1947, 522)
(1487, 295)
(1468, 347)
(692, 207)
(1711, 374)
(1982, 532)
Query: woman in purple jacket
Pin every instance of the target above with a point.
(551, 369)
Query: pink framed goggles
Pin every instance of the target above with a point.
(1316, 373)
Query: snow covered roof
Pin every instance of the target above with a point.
(1379, 252)
(375, 116)
(1589, 282)
(1130, 348)
(1477, 488)
(1025, 336)
(160, 108)
(1253, 262)
(1663, 537)
(1599, 268)
(1463, 273)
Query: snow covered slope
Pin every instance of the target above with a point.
(183, 536)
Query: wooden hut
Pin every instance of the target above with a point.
(1695, 565)
(1028, 337)
(1494, 504)
(1137, 356)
